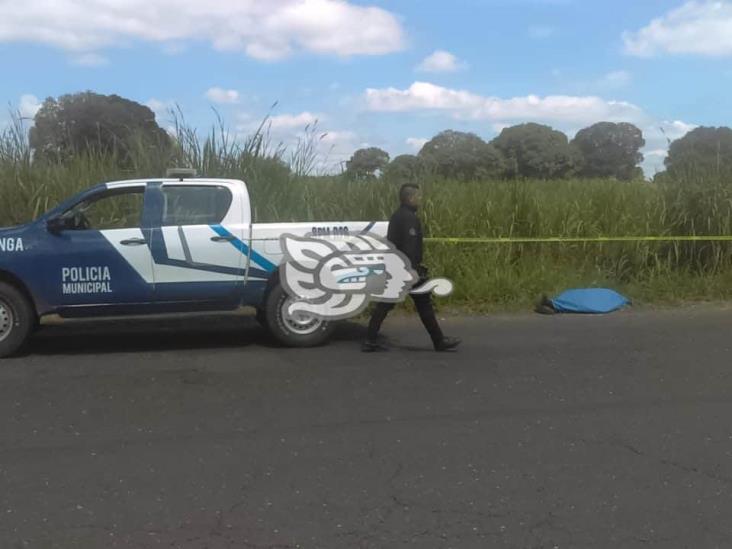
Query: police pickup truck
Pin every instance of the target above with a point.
(172, 245)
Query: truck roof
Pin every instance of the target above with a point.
(178, 181)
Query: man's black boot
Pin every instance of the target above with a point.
(447, 343)
(372, 347)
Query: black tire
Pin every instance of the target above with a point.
(307, 334)
(17, 320)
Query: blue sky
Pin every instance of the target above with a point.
(383, 73)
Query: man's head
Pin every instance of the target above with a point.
(410, 195)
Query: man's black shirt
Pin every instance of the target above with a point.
(405, 232)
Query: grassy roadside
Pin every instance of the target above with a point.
(488, 277)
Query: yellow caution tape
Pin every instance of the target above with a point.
(579, 240)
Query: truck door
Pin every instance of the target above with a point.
(197, 245)
(100, 259)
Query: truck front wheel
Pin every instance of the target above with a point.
(17, 320)
(299, 330)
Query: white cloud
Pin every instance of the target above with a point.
(293, 121)
(89, 60)
(677, 129)
(263, 30)
(156, 105)
(222, 96)
(279, 126)
(566, 113)
(332, 147)
(339, 138)
(335, 148)
(697, 27)
(467, 105)
(658, 134)
(29, 106)
(441, 61)
(160, 108)
(416, 143)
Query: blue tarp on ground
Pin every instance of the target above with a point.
(591, 301)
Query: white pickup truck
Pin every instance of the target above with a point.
(154, 246)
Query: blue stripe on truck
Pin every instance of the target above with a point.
(368, 227)
(260, 260)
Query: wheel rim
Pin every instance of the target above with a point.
(299, 323)
(6, 320)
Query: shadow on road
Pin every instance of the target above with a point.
(147, 335)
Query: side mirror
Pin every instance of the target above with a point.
(57, 224)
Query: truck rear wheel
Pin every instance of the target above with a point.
(17, 320)
(299, 330)
(261, 317)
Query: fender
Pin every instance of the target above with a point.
(272, 282)
(10, 278)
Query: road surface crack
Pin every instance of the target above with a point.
(669, 463)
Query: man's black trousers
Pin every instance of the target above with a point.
(423, 303)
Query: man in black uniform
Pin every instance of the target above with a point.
(405, 232)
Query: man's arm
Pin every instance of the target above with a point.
(395, 232)
(403, 234)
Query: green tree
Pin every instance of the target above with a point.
(537, 151)
(610, 150)
(366, 162)
(89, 121)
(703, 150)
(406, 168)
(460, 155)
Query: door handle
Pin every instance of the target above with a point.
(133, 242)
(223, 238)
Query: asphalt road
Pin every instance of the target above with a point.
(540, 432)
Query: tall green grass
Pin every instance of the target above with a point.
(487, 276)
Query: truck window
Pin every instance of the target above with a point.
(195, 205)
(115, 209)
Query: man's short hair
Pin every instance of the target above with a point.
(407, 191)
